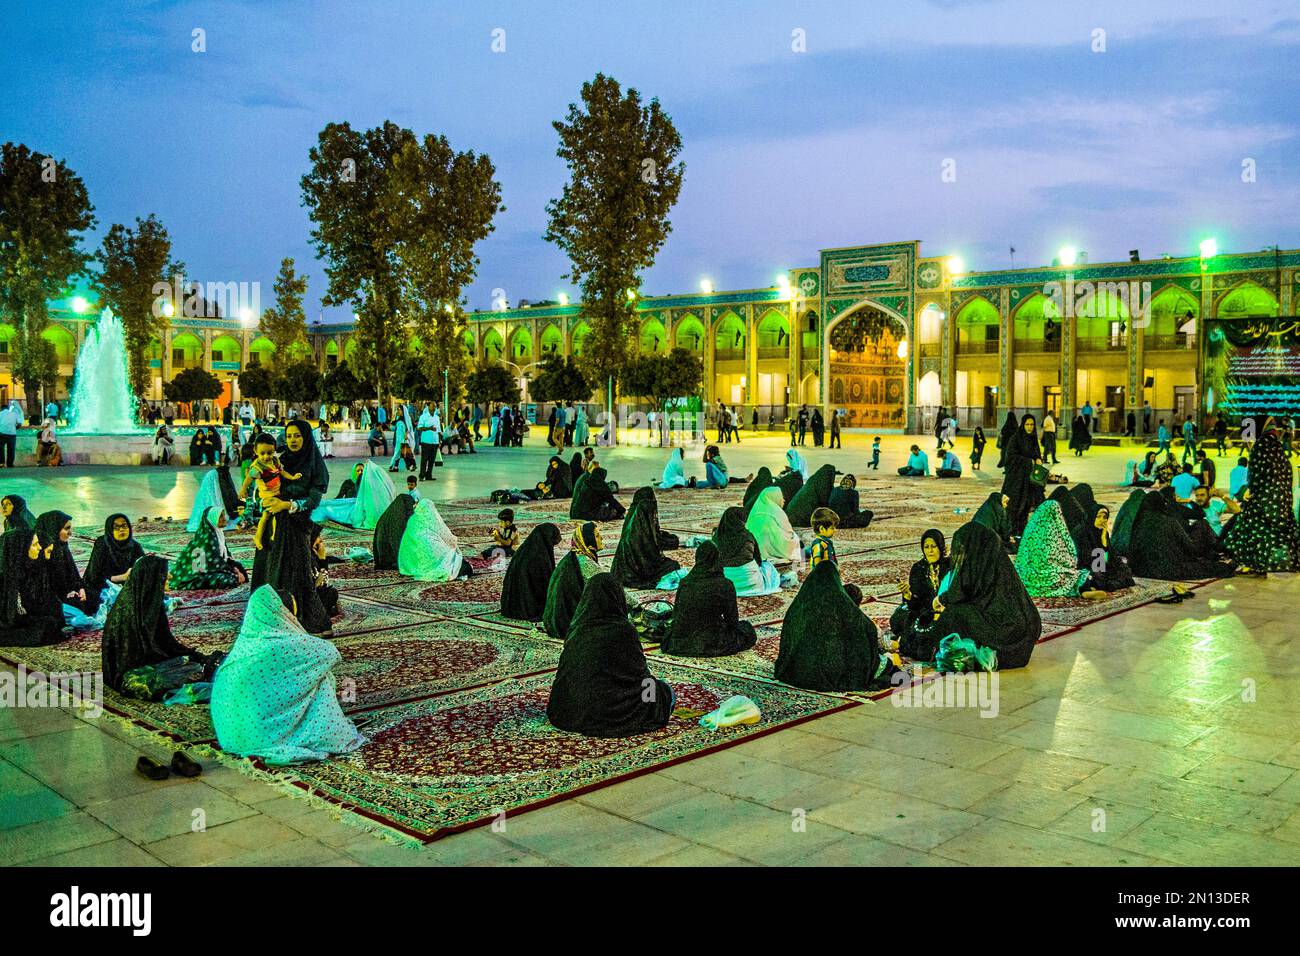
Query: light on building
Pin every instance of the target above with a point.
(79, 304)
(1209, 248)
(706, 286)
(246, 316)
(169, 310)
(902, 349)
(1068, 255)
(631, 294)
(563, 298)
(956, 265)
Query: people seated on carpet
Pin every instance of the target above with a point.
(1195, 522)
(1071, 509)
(1084, 498)
(111, 558)
(1141, 474)
(349, 487)
(822, 548)
(579, 462)
(827, 643)
(1023, 456)
(602, 686)
(716, 474)
(16, 513)
(706, 621)
(55, 528)
(1160, 547)
(1264, 537)
(993, 515)
(767, 522)
(739, 557)
(639, 561)
(274, 695)
(138, 635)
(371, 496)
(917, 612)
(321, 561)
(645, 496)
(389, 530)
(30, 613)
(1166, 470)
(815, 493)
(792, 477)
(1238, 477)
(1216, 506)
(198, 446)
(1107, 571)
(523, 592)
(593, 499)
(505, 536)
(569, 580)
(950, 467)
(205, 564)
(215, 490)
(756, 486)
(674, 475)
(983, 601)
(1206, 470)
(429, 551)
(844, 502)
(1184, 483)
(557, 483)
(918, 464)
(1046, 560)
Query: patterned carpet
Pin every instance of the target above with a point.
(453, 696)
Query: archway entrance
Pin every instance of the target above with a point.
(867, 366)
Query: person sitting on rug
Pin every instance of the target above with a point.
(593, 499)
(1212, 504)
(760, 482)
(645, 497)
(674, 475)
(917, 613)
(822, 547)
(1239, 477)
(389, 531)
(321, 561)
(372, 493)
(715, 470)
(349, 487)
(30, 613)
(1071, 509)
(815, 493)
(767, 522)
(111, 558)
(523, 592)
(55, 529)
(1084, 498)
(739, 557)
(918, 464)
(429, 551)
(639, 561)
(706, 621)
(212, 493)
(602, 686)
(578, 464)
(1195, 522)
(274, 696)
(792, 477)
(1159, 546)
(844, 502)
(16, 513)
(950, 467)
(505, 536)
(205, 564)
(1107, 571)
(558, 482)
(827, 643)
(569, 580)
(1046, 560)
(993, 515)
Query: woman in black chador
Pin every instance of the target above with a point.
(844, 501)
(815, 493)
(706, 622)
(16, 513)
(1093, 543)
(54, 528)
(389, 530)
(1159, 546)
(137, 632)
(992, 514)
(30, 614)
(1071, 509)
(111, 558)
(645, 498)
(917, 613)
(523, 593)
(1264, 536)
(569, 580)
(1009, 428)
(761, 480)
(593, 499)
(602, 686)
(1022, 454)
(639, 561)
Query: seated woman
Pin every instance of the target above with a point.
(767, 522)
(374, 493)
(198, 446)
(593, 499)
(1083, 496)
(1141, 475)
(578, 464)
(1264, 535)
(706, 622)
(115, 551)
(756, 486)
(389, 530)
(739, 556)
(674, 475)
(985, 601)
(602, 686)
(1071, 510)
(1046, 560)
(1159, 546)
(274, 696)
(918, 464)
(557, 483)
(844, 502)
(214, 492)
(16, 513)
(429, 551)
(205, 564)
(162, 445)
(827, 643)
(793, 476)
(910, 623)
(1107, 571)
(48, 452)
(646, 497)
(575, 569)
(349, 487)
(523, 592)
(815, 493)
(992, 514)
(716, 474)
(321, 561)
(30, 614)
(54, 528)
(639, 561)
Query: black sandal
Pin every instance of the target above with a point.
(184, 766)
(151, 769)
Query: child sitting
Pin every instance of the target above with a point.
(505, 536)
(412, 488)
(266, 471)
(824, 523)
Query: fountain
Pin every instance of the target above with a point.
(102, 403)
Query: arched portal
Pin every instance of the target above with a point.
(867, 365)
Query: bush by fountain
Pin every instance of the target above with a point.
(102, 402)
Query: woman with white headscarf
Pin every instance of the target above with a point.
(771, 529)
(374, 493)
(429, 550)
(675, 471)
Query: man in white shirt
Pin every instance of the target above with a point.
(10, 419)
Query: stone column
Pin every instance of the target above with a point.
(751, 360)
(1133, 392)
(1006, 355)
(710, 359)
(207, 350)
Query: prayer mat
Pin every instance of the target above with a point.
(464, 597)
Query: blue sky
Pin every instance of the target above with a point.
(786, 153)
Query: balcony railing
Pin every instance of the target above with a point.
(1169, 343)
(977, 347)
(930, 349)
(1037, 345)
(1101, 343)
(729, 355)
(773, 352)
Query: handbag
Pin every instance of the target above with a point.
(1039, 475)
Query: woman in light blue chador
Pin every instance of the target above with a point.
(373, 495)
(674, 472)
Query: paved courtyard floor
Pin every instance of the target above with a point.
(1162, 735)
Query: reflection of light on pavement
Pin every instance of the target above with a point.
(1218, 605)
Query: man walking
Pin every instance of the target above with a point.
(9, 421)
(1049, 438)
(1146, 418)
(1087, 415)
(1189, 439)
(430, 437)
(803, 422)
(1162, 438)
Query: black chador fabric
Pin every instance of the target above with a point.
(1264, 536)
(735, 543)
(109, 558)
(844, 502)
(646, 498)
(827, 643)
(1021, 452)
(1009, 428)
(22, 516)
(30, 615)
(65, 579)
(986, 601)
(815, 493)
(602, 686)
(1097, 553)
(638, 561)
(389, 530)
(563, 592)
(559, 478)
(1071, 510)
(789, 484)
(706, 622)
(137, 632)
(993, 516)
(761, 480)
(593, 500)
(576, 468)
(229, 496)
(1121, 533)
(349, 487)
(1083, 495)
(1161, 548)
(523, 593)
(916, 614)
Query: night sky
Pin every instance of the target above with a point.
(786, 153)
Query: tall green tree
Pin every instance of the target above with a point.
(560, 380)
(612, 217)
(342, 387)
(343, 192)
(192, 385)
(492, 383)
(285, 323)
(44, 208)
(133, 265)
